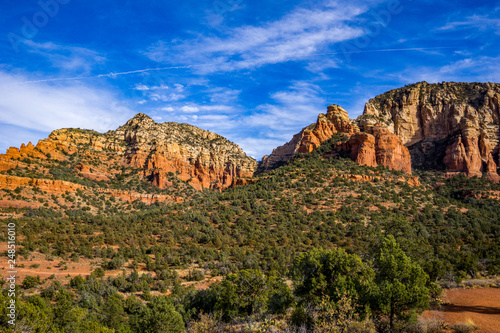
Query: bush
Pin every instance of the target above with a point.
(157, 317)
(195, 275)
(466, 327)
(98, 272)
(30, 282)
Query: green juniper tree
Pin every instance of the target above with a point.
(402, 283)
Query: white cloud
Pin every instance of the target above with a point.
(320, 66)
(464, 70)
(42, 107)
(67, 58)
(157, 93)
(215, 117)
(293, 108)
(481, 22)
(189, 109)
(258, 147)
(223, 95)
(205, 108)
(296, 36)
(141, 87)
(155, 96)
(168, 109)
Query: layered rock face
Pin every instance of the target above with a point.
(376, 146)
(336, 120)
(380, 147)
(448, 126)
(201, 158)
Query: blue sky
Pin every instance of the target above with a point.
(254, 71)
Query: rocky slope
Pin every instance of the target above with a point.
(377, 146)
(131, 163)
(201, 158)
(336, 120)
(446, 126)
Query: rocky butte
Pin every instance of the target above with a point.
(448, 126)
(201, 158)
(452, 127)
(375, 146)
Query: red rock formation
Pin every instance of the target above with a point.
(362, 149)
(58, 187)
(448, 125)
(201, 158)
(48, 185)
(336, 120)
(470, 153)
(92, 172)
(376, 146)
(381, 147)
(243, 181)
(390, 151)
(7, 163)
(412, 181)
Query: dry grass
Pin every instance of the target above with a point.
(430, 325)
(482, 283)
(467, 327)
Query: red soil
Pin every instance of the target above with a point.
(481, 305)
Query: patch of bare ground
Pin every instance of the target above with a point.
(63, 270)
(479, 305)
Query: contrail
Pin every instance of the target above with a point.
(110, 74)
(191, 66)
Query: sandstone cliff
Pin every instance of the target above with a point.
(336, 120)
(377, 146)
(201, 158)
(447, 126)
(141, 161)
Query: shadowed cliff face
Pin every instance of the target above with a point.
(448, 126)
(201, 158)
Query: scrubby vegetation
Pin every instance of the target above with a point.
(302, 248)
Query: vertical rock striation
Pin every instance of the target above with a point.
(447, 126)
(380, 147)
(201, 158)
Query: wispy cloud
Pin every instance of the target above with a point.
(161, 92)
(67, 58)
(481, 22)
(295, 36)
(464, 70)
(291, 109)
(110, 75)
(257, 147)
(50, 107)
